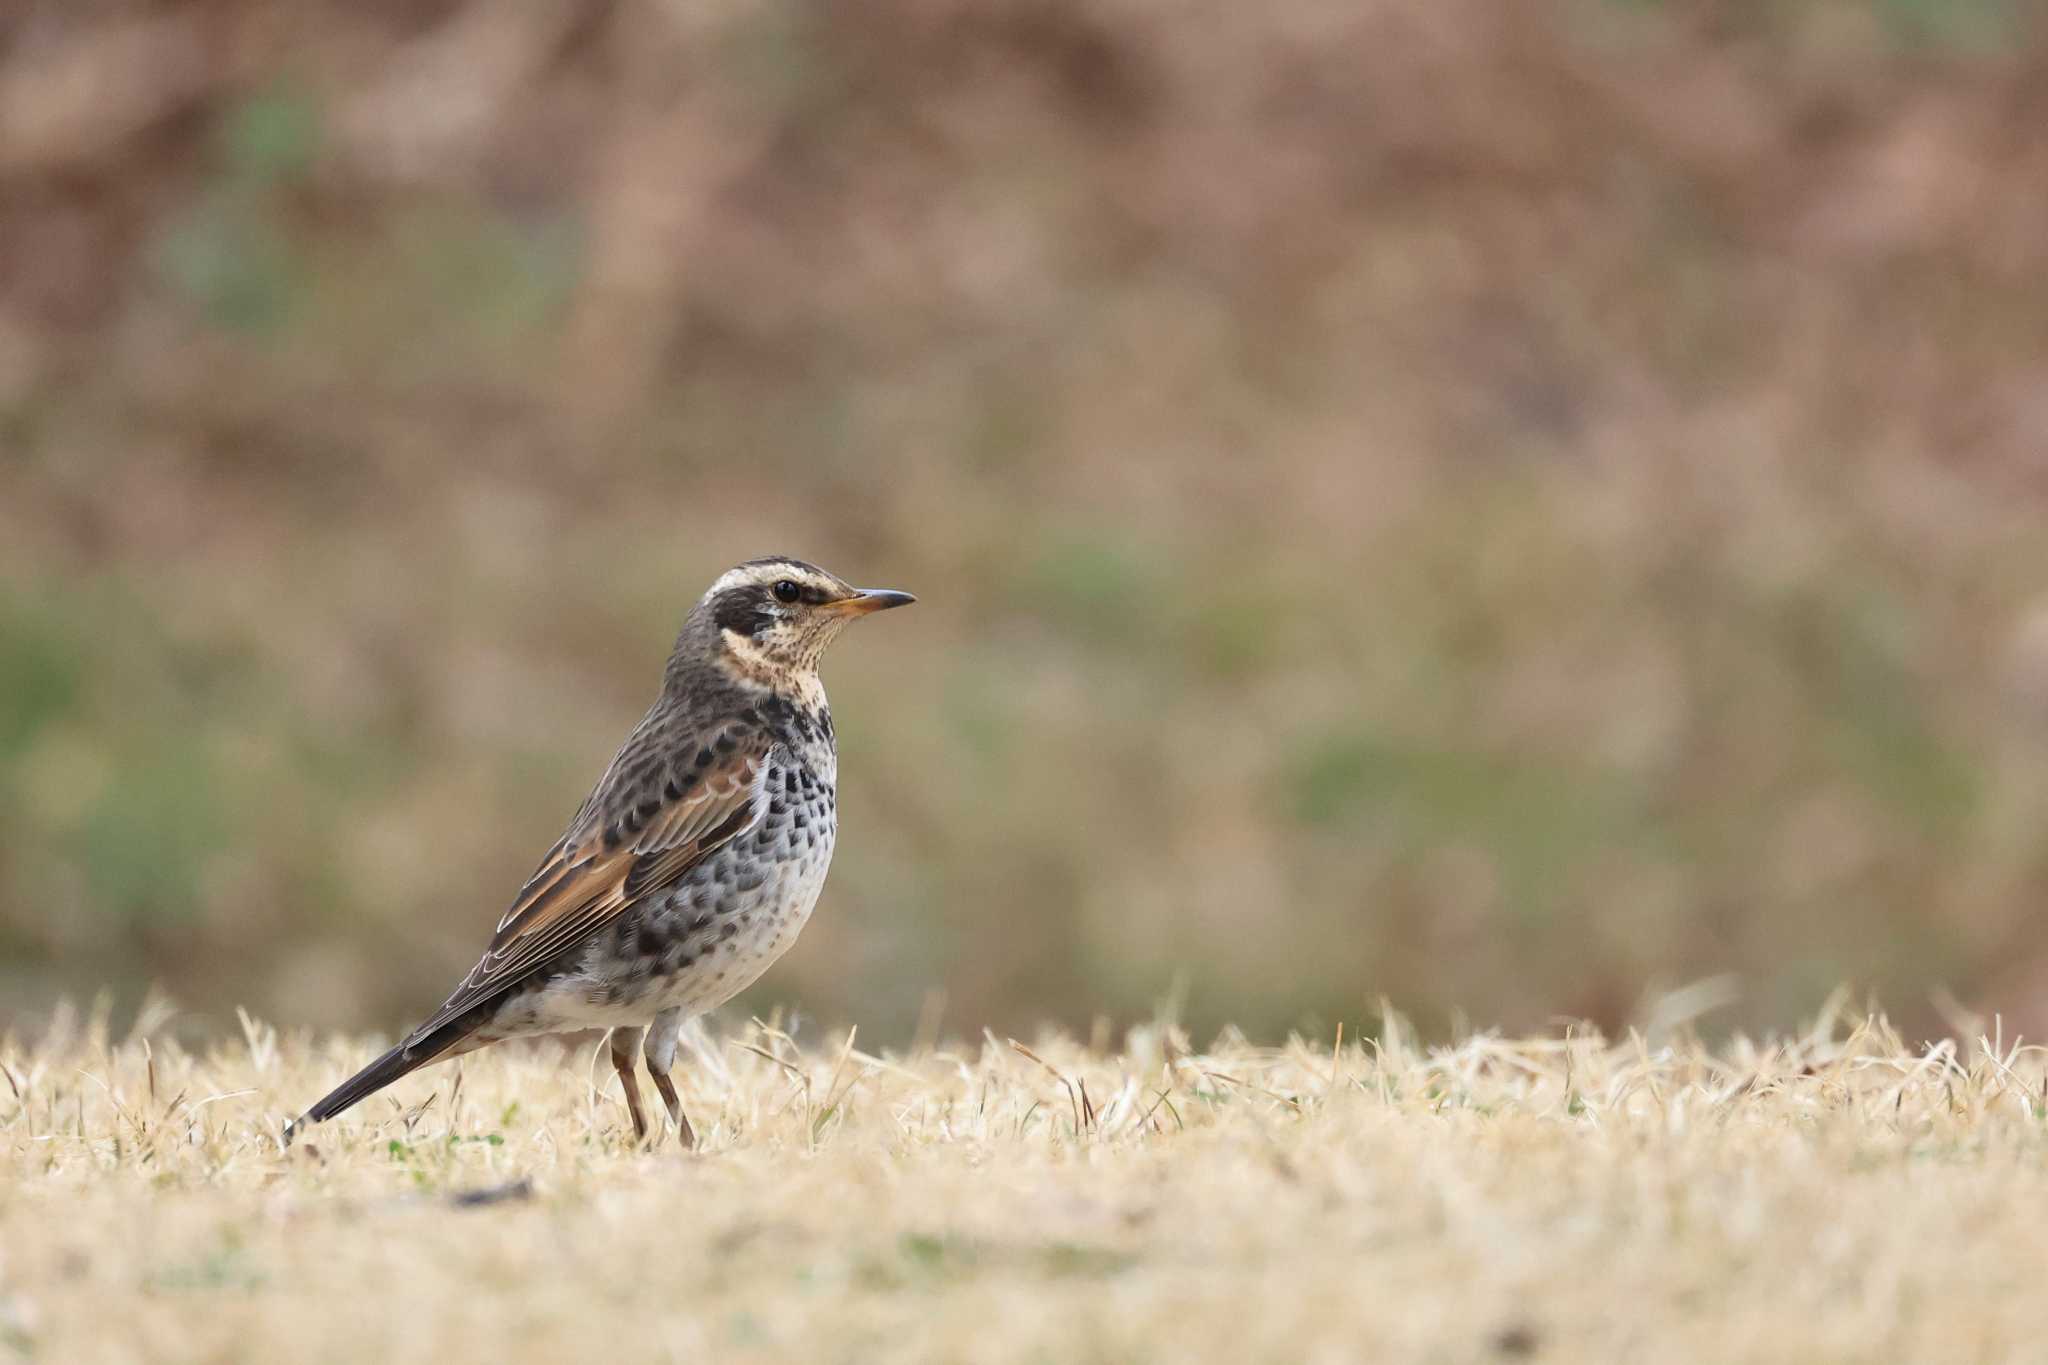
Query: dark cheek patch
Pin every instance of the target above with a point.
(744, 610)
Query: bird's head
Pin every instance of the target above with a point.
(771, 619)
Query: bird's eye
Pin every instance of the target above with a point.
(786, 591)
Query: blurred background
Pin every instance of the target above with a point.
(1512, 508)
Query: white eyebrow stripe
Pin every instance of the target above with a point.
(733, 578)
(760, 575)
(753, 576)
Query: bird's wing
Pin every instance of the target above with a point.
(641, 829)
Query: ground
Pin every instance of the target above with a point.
(1837, 1196)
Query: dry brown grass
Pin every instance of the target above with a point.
(1837, 1196)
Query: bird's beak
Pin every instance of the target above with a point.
(871, 599)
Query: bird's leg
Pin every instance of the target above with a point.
(622, 1060)
(661, 1059)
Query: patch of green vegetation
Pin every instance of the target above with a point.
(232, 253)
(1535, 816)
(1889, 740)
(1877, 721)
(779, 59)
(271, 136)
(1232, 629)
(1100, 585)
(485, 271)
(145, 838)
(40, 669)
(1966, 25)
(1063, 1260)
(1007, 423)
(232, 260)
(929, 1252)
(978, 709)
(228, 1266)
(936, 1255)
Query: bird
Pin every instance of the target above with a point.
(694, 862)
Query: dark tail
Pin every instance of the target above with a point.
(402, 1060)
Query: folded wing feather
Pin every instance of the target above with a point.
(586, 882)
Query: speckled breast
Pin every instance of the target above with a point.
(712, 934)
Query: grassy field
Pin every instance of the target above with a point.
(1839, 1196)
